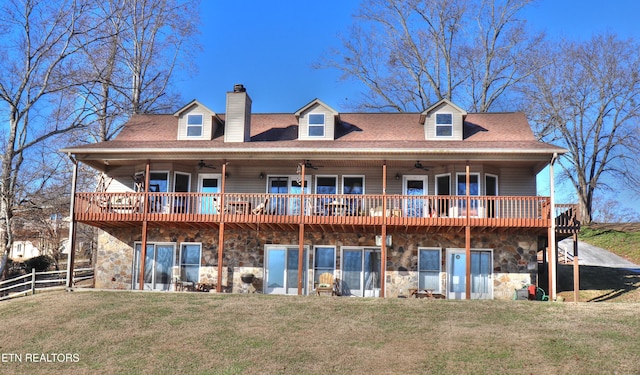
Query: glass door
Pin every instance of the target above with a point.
(281, 270)
(415, 186)
(361, 272)
(475, 208)
(286, 185)
(491, 190)
(209, 183)
(158, 266)
(481, 274)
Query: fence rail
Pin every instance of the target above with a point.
(48, 280)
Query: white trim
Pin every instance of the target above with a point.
(335, 257)
(187, 125)
(375, 292)
(436, 124)
(323, 125)
(305, 270)
(175, 174)
(497, 183)
(450, 251)
(353, 176)
(179, 261)
(439, 250)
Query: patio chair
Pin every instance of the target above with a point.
(260, 209)
(326, 284)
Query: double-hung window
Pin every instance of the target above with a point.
(194, 125)
(190, 262)
(429, 269)
(316, 125)
(444, 124)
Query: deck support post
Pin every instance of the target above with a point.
(72, 226)
(553, 253)
(145, 205)
(221, 228)
(467, 237)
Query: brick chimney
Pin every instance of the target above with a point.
(238, 115)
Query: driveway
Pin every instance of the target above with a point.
(589, 255)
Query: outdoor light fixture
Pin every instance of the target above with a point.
(261, 176)
(397, 176)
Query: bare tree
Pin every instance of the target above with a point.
(135, 65)
(411, 53)
(588, 100)
(38, 86)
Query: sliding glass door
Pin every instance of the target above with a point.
(281, 270)
(159, 261)
(361, 272)
(481, 274)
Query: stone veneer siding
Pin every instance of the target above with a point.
(514, 256)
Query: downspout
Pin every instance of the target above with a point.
(553, 256)
(383, 249)
(72, 224)
(301, 230)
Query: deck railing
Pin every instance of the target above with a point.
(370, 209)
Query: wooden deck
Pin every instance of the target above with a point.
(340, 213)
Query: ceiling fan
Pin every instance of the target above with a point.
(202, 164)
(307, 164)
(419, 165)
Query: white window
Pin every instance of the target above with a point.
(444, 124)
(190, 262)
(324, 260)
(316, 124)
(429, 263)
(194, 125)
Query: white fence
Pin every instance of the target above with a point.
(49, 280)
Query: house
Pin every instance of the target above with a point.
(22, 250)
(388, 203)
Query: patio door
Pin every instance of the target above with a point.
(158, 265)
(481, 274)
(361, 272)
(286, 185)
(415, 186)
(209, 183)
(281, 270)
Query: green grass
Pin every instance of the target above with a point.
(203, 333)
(615, 238)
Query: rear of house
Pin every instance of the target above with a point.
(388, 203)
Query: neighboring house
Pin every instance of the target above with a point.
(442, 200)
(23, 250)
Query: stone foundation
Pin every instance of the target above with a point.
(514, 256)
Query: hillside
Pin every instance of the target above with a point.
(602, 284)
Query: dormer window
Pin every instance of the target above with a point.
(444, 124)
(316, 124)
(194, 125)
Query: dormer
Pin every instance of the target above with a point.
(316, 121)
(195, 122)
(443, 121)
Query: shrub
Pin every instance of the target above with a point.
(41, 263)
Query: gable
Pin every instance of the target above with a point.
(195, 122)
(316, 121)
(444, 121)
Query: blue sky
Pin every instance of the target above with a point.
(269, 46)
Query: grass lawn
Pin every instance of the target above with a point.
(204, 333)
